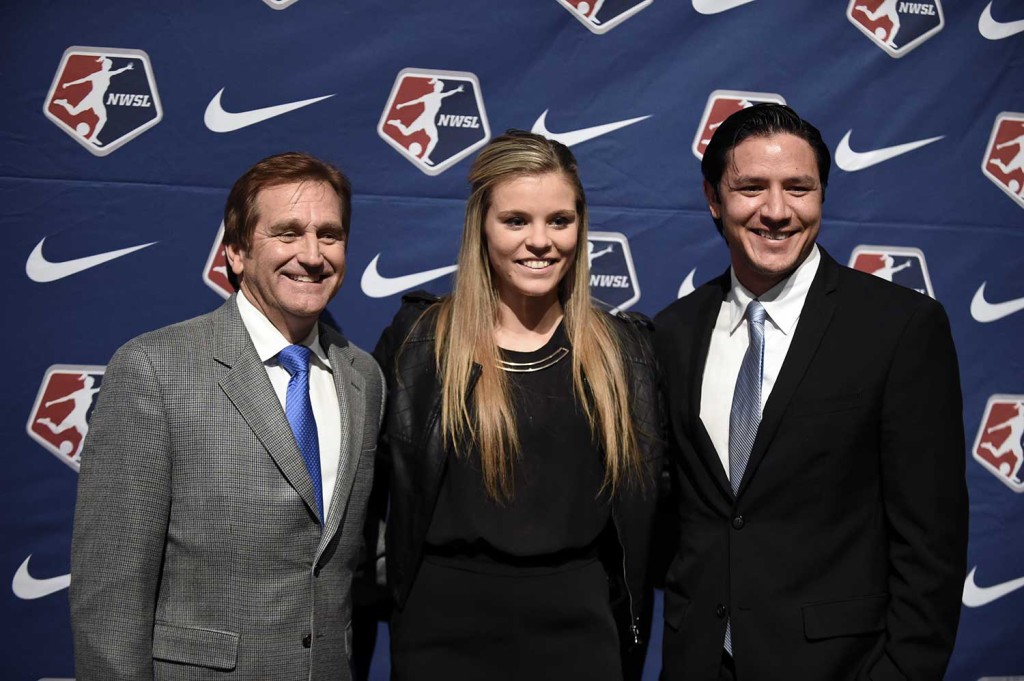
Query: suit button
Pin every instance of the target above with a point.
(721, 611)
(307, 641)
(738, 522)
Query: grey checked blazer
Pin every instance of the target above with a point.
(197, 553)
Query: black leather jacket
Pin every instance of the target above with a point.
(414, 457)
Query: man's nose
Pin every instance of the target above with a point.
(775, 209)
(309, 250)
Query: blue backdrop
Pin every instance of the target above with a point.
(124, 124)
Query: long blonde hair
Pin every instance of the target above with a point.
(467, 319)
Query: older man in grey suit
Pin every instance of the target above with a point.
(225, 476)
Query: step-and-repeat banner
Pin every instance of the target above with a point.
(124, 124)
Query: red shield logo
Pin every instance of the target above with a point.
(998, 446)
(59, 420)
(722, 104)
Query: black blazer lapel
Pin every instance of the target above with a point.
(814, 320)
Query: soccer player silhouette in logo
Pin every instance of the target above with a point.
(589, 10)
(94, 100)
(592, 256)
(888, 10)
(427, 120)
(1016, 163)
(887, 270)
(1012, 442)
(81, 400)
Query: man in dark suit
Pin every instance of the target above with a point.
(229, 461)
(816, 428)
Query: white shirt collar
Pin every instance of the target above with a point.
(783, 302)
(266, 337)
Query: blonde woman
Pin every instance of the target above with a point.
(522, 444)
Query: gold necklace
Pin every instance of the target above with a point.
(536, 365)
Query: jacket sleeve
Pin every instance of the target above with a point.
(370, 587)
(120, 528)
(925, 495)
(637, 507)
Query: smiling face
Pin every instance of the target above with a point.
(296, 259)
(531, 231)
(769, 201)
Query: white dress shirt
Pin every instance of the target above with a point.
(730, 338)
(322, 393)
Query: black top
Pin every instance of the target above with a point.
(556, 507)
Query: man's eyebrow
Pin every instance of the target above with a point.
(298, 226)
(747, 179)
(285, 224)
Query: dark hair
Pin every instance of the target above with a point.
(760, 120)
(240, 214)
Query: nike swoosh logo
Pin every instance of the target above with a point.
(997, 30)
(41, 270)
(976, 596)
(717, 6)
(376, 286)
(27, 587)
(852, 161)
(579, 136)
(687, 287)
(984, 311)
(219, 120)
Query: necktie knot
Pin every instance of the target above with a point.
(295, 359)
(756, 313)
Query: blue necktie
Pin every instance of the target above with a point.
(746, 409)
(299, 410)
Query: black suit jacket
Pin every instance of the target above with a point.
(843, 554)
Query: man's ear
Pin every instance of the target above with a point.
(235, 257)
(714, 201)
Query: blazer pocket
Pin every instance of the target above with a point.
(862, 615)
(192, 645)
(675, 609)
(827, 404)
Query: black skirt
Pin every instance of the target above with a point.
(468, 619)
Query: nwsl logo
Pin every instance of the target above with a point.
(59, 420)
(1004, 156)
(722, 104)
(613, 282)
(903, 266)
(435, 118)
(601, 16)
(103, 98)
(998, 446)
(896, 26)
